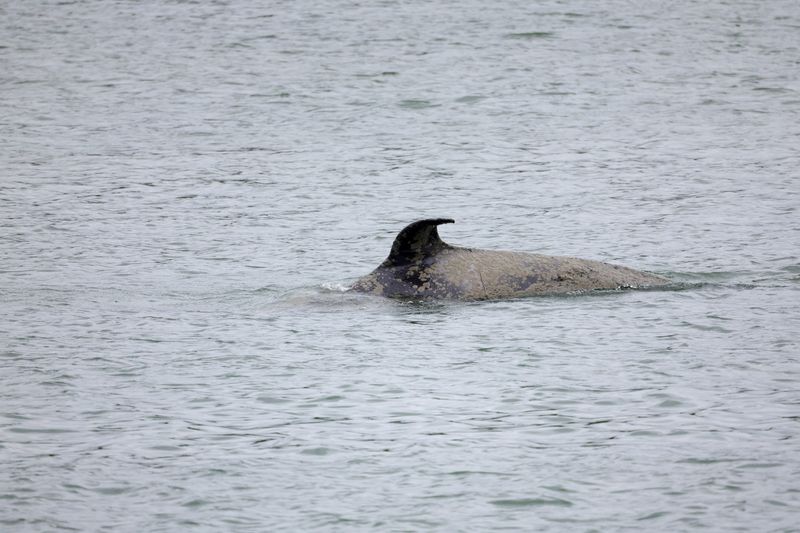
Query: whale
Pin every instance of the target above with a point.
(422, 266)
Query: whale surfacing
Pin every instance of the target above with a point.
(422, 266)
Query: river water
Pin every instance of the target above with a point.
(187, 188)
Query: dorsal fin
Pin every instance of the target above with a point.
(417, 241)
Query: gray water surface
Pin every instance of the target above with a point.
(186, 189)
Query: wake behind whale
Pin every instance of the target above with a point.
(421, 265)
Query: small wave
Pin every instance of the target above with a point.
(531, 502)
(531, 35)
(325, 297)
(744, 279)
(335, 287)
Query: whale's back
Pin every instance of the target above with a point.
(421, 265)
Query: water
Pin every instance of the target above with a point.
(186, 189)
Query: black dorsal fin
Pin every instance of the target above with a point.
(417, 241)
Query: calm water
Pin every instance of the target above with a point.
(188, 187)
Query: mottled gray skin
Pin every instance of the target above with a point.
(423, 266)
